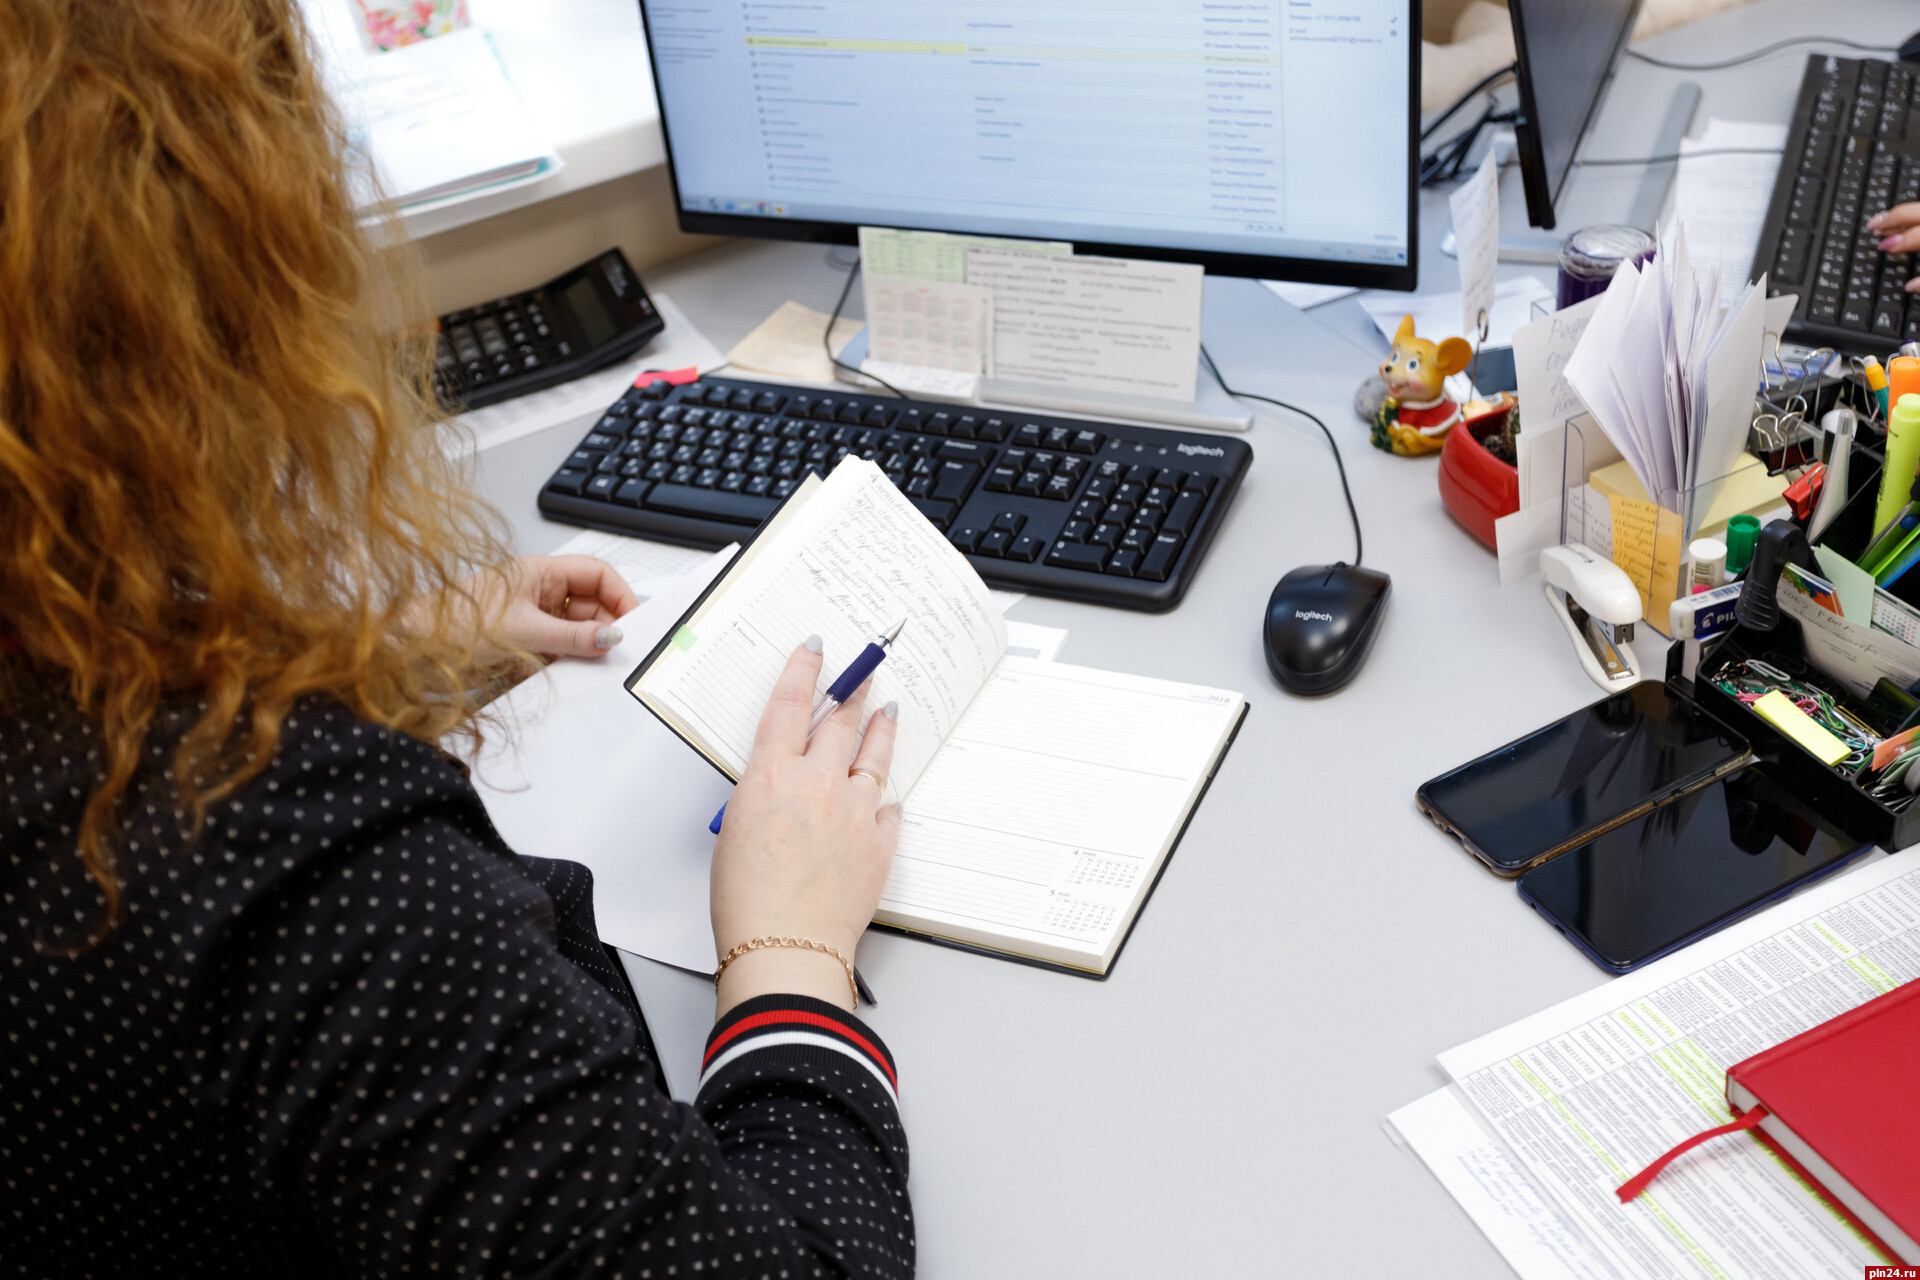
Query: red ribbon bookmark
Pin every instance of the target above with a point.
(1645, 1177)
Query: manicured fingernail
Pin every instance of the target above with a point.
(606, 637)
(1888, 243)
(899, 809)
(891, 711)
(1873, 223)
(813, 644)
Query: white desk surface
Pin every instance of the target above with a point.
(1214, 1108)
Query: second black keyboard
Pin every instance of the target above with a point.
(1093, 511)
(1853, 149)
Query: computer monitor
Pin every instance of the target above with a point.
(1565, 53)
(1269, 138)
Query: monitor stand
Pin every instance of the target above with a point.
(1211, 409)
(1588, 198)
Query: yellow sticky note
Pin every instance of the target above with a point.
(1778, 710)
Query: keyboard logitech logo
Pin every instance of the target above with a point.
(1191, 449)
(1312, 615)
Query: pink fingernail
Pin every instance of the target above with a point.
(1888, 243)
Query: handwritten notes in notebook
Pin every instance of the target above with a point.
(1046, 816)
(856, 559)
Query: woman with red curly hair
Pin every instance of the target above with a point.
(276, 994)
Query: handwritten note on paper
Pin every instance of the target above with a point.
(1475, 205)
(1548, 457)
(927, 323)
(1646, 543)
(1100, 324)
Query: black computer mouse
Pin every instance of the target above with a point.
(1321, 621)
(1910, 48)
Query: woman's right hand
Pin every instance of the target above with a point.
(1899, 232)
(806, 844)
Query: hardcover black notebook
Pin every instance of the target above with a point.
(1040, 800)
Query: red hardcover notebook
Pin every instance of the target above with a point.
(1840, 1104)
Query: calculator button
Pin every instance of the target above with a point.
(1079, 555)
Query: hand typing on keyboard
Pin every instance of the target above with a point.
(1899, 229)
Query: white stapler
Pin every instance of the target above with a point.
(1598, 604)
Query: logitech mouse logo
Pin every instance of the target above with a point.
(1312, 615)
(1191, 449)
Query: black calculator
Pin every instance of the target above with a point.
(589, 318)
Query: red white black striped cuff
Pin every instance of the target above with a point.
(787, 1022)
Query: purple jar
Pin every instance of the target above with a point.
(1590, 256)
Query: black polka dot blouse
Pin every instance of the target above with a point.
(334, 1036)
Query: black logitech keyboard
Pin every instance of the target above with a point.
(1093, 511)
(1853, 149)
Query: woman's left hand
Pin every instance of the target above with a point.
(565, 606)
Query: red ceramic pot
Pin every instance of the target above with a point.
(1477, 487)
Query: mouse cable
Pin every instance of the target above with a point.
(826, 336)
(1338, 461)
(1485, 83)
(1683, 155)
(1757, 54)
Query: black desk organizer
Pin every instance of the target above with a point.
(1831, 790)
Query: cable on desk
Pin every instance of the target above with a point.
(1485, 83)
(1448, 158)
(1683, 155)
(1757, 54)
(1338, 461)
(826, 336)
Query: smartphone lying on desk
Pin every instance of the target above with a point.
(1690, 867)
(1543, 794)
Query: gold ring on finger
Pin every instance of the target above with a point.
(869, 775)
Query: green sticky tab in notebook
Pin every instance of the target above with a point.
(684, 638)
(1779, 711)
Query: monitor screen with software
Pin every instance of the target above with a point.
(1565, 52)
(1270, 138)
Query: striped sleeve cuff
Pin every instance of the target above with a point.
(785, 1022)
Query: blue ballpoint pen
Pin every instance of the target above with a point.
(852, 678)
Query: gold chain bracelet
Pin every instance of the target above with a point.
(802, 944)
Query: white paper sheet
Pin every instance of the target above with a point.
(937, 255)
(1723, 198)
(1475, 205)
(1116, 325)
(1541, 350)
(634, 559)
(1437, 315)
(1484, 1180)
(928, 323)
(678, 346)
(1589, 1092)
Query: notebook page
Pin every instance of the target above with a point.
(1041, 824)
(857, 558)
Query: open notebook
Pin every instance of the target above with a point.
(1041, 800)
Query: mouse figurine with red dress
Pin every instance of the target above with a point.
(1417, 413)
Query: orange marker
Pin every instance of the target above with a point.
(1903, 376)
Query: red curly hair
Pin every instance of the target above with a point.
(220, 481)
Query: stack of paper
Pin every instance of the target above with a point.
(1668, 373)
(432, 123)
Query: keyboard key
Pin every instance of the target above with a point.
(919, 486)
(1160, 495)
(602, 487)
(758, 485)
(742, 398)
(1076, 531)
(1025, 548)
(584, 459)
(569, 480)
(630, 492)
(1029, 435)
(708, 478)
(769, 401)
(1059, 488)
(1136, 540)
(877, 415)
(1078, 555)
(966, 426)
(1002, 480)
(1157, 563)
(964, 451)
(710, 504)
(940, 513)
(733, 481)
(966, 538)
(600, 440)
(939, 424)
(1184, 514)
(1088, 508)
(1117, 513)
(1198, 482)
(993, 429)
(1123, 563)
(826, 409)
(1085, 442)
(683, 474)
(1106, 533)
(1011, 521)
(994, 543)
(657, 389)
(1059, 437)
(1030, 483)
(1147, 518)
